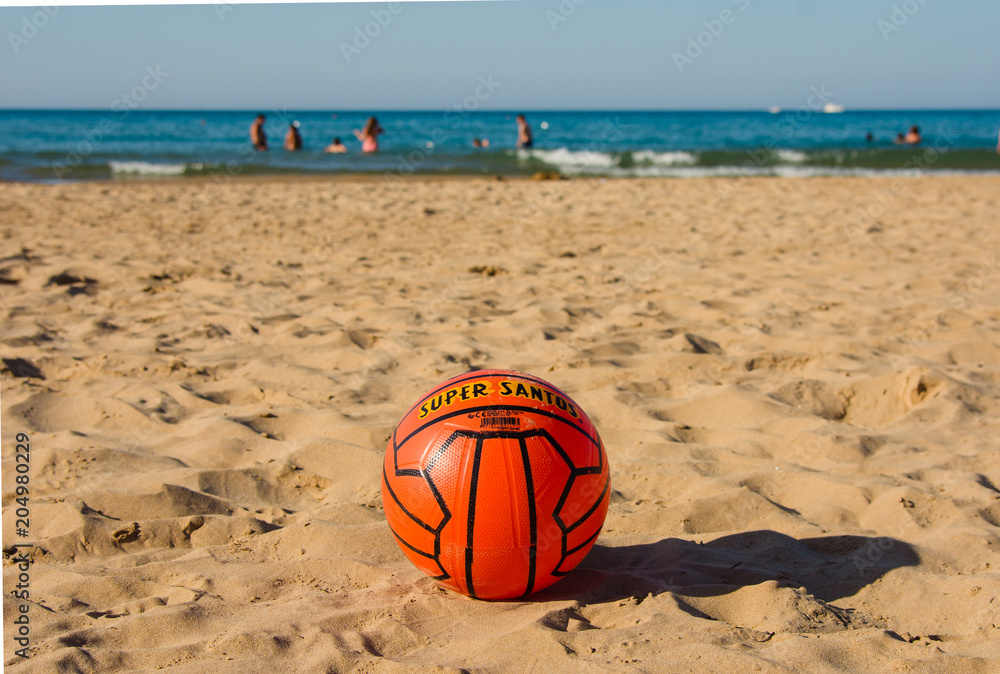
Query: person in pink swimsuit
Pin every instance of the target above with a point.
(369, 135)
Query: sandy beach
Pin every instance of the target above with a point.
(797, 382)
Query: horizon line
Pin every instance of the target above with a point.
(497, 111)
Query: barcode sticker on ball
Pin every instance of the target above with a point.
(501, 422)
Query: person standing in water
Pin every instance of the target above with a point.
(336, 147)
(913, 137)
(524, 138)
(369, 135)
(293, 139)
(257, 135)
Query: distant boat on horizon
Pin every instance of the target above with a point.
(774, 109)
(832, 108)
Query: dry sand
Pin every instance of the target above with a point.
(807, 483)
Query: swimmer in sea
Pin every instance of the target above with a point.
(336, 147)
(369, 135)
(524, 139)
(257, 135)
(293, 139)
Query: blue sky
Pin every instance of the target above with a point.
(538, 54)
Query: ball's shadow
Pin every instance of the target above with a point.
(828, 567)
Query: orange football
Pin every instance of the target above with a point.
(496, 484)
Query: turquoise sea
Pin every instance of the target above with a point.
(60, 145)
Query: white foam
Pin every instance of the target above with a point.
(146, 169)
(569, 161)
(677, 172)
(816, 171)
(737, 172)
(590, 161)
(664, 158)
(791, 156)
